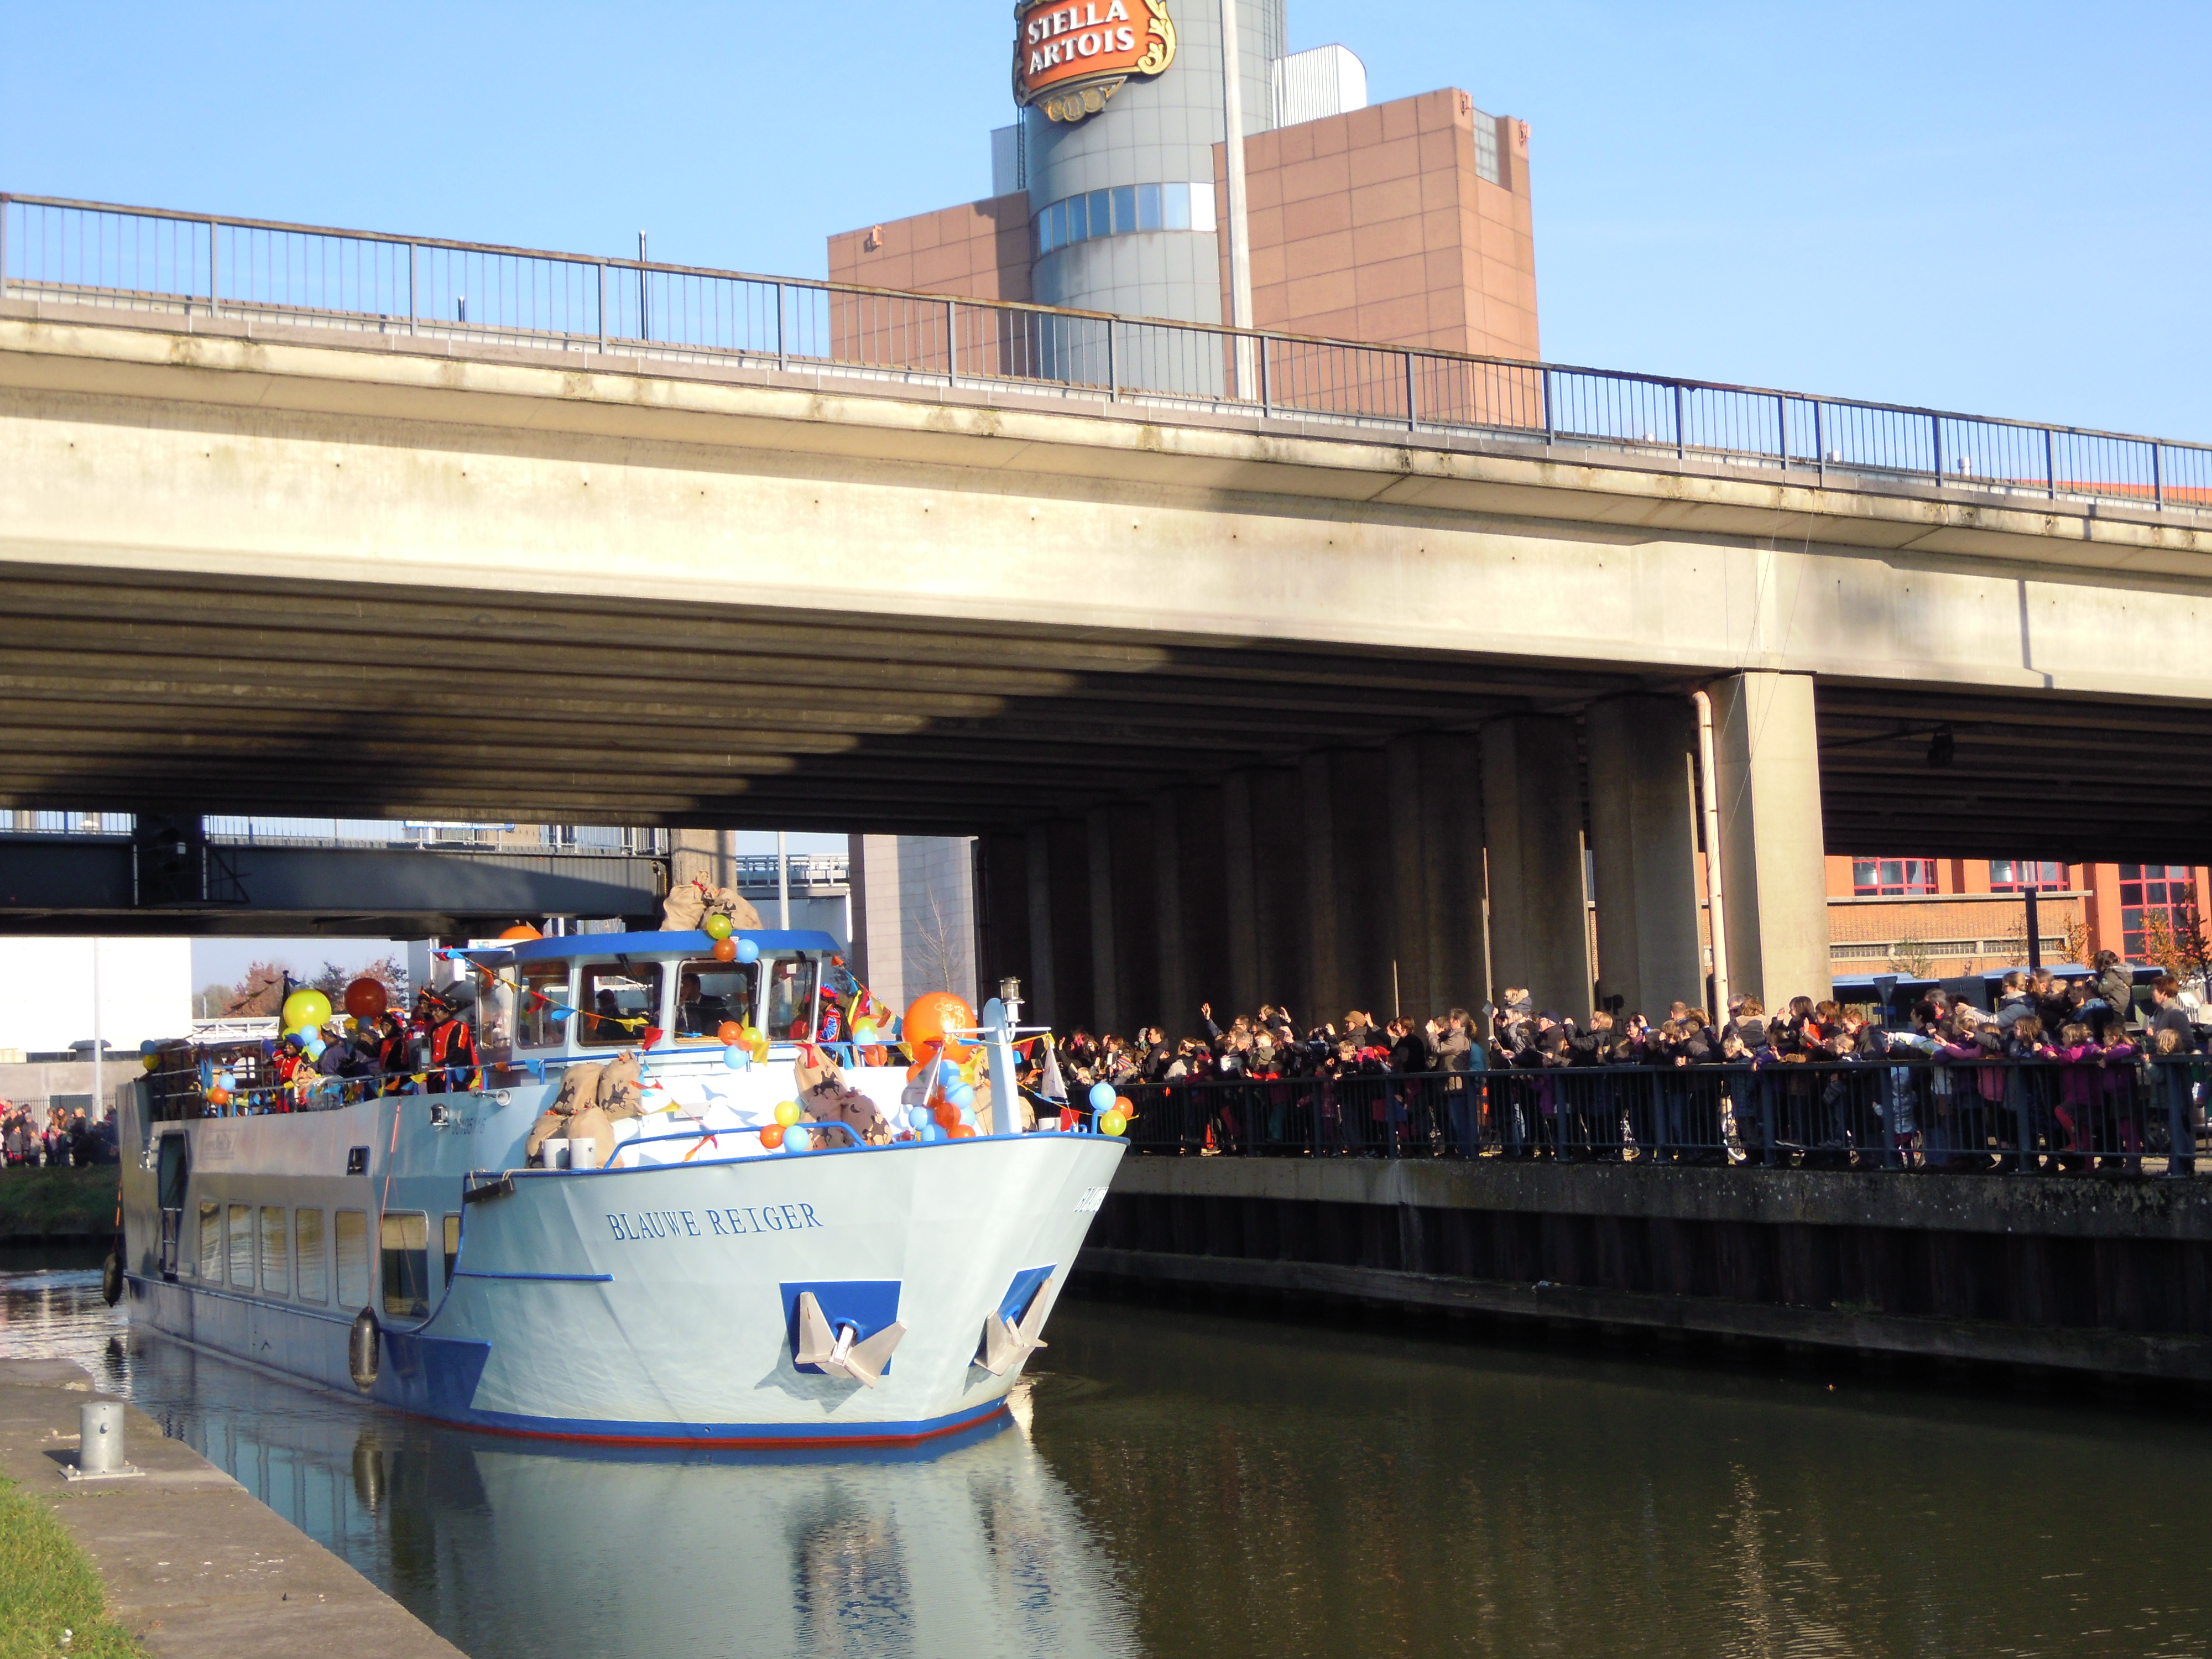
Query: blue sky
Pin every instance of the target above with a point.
(2000, 209)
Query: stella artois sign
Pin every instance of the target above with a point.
(1071, 56)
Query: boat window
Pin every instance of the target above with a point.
(353, 1258)
(275, 1253)
(708, 993)
(315, 1267)
(241, 1246)
(175, 1162)
(406, 1241)
(616, 1003)
(453, 1246)
(544, 990)
(790, 1012)
(210, 1240)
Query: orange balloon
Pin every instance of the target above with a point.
(947, 1116)
(365, 999)
(961, 1131)
(1124, 1105)
(730, 1033)
(522, 930)
(772, 1136)
(875, 1056)
(932, 1016)
(725, 950)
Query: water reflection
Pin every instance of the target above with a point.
(1192, 1485)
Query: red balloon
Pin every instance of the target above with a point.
(365, 999)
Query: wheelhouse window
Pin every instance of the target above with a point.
(617, 1001)
(313, 1266)
(708, 993)
(545, 994)
(275, 1251)
(2154, 899)
(790, 1016)
(406, 1248)
(1891, 878)
(2018, 875)
(453, 1242)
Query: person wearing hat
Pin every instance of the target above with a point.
(454, 1060)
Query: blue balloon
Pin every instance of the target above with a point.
(747, 950)
(148, 1046)
(960, 1095)
(795, 1140)
(919, 1118)
(1101, 1097)
(736, 1058)
(967, 1115)
(315, 1050)
(932, 1132)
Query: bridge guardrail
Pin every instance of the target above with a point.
(160, 261)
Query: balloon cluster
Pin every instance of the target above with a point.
(743, 1045)
(727, 947)
(1113, 1111)
(947, 1111)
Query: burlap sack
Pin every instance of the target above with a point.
(690, 902)
(833, 1102)
(620, 1093)
(580, 1087)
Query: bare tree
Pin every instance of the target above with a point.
(942, 952)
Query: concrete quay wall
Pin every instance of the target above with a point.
(2082, 1274)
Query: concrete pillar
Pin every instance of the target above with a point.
(1043, 998)
(1105, 980)
(1643, 844)
(1002, 911)
(1532, 822)
(1280, 896)
(1324, 949)
(1200, 891)
(1240, 894)
(1436, 870)
(1171, 1008)
(1068, 842)
(1773, 879)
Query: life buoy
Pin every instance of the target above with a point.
(111, 1277)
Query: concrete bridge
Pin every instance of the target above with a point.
(1257, 698)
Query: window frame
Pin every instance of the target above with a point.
(586, 1020)
(212, 1240)
(361, 1282)
(282, 1236)
(1904, 886)
(241, 1225)
(400, 1234)
(750, 970)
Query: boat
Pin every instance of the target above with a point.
(727, 1278)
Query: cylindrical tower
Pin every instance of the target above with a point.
(1121, 203)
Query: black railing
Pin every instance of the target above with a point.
(2126, 1115)
(160, 263)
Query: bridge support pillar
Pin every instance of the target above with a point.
(1644, 842)
(1240, 894)
(1532, 822)
(1435, 849)
(1042, 990)
(1767, 767)
(1279, 885)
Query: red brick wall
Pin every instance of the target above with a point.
(1375, 225)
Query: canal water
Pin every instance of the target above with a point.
(1174, 1484)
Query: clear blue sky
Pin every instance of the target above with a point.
(2000, 209)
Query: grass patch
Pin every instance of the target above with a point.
(39, 1203)
(48, 1585)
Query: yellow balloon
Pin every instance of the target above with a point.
(717, 926)
(305, 1007)
(787, 1112)
(1112, 1123)
(153, 1062)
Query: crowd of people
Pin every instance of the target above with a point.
(65, 1137)
(2062, 1073)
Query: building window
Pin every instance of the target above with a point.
(1125, 208)
(2017, 875)
(2147, 891)
(1891, 878)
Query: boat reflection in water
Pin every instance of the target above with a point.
(967, 1544)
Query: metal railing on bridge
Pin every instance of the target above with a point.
(2126, 1115)
(154, 261)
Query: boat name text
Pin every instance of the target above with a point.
(639, 1226)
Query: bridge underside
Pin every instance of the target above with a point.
(131, 691)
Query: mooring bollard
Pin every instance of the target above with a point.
(100, 1446)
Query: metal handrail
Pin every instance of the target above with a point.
(1808, 431)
